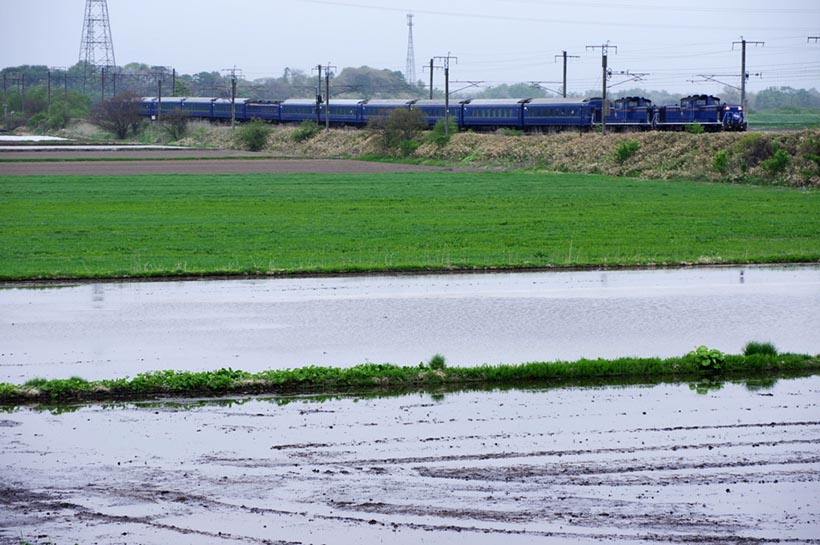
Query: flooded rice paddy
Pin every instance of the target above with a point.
(670, 463)
(111, 330)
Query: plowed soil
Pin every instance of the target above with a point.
(706, 463)
(126, 163)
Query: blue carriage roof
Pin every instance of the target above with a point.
(496, 101)
(390, 102)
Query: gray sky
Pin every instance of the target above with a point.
(496, 41)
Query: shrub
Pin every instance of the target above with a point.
(398, 127)
(765, 349)
(695, 128)
(306, 131)
(625, 150)
(720, 162)
(708, 359)
(777, 164)
(175, 123)
(253, 136)
(408, 147)
(438, 136)
(119, 115)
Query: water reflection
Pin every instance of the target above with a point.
(438, 395)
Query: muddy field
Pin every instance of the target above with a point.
(664, 464)
(162, 162)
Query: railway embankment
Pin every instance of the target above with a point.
(772, 158)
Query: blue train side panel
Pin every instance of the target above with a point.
(434, 111)
(491, 114)
(373, 109)
(556, 114)
(263, 109)
(298, 110)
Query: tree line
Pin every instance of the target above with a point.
(46, 98)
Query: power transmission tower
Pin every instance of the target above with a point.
(565, 56)
(604, 104)
(97, 46)
(410, 70)
(743, 74)
(446, 61)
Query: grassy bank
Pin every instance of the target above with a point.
(384, 376)
(142, 226)
(714, 157)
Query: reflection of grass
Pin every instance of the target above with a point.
(329, 380)
(99, 226)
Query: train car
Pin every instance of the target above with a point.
(555, 114)
(298, 110)
(267, 110)
(148, 107)
(222, 108)
(492, 114)
(343, 111)
(631, 114)
(198, 107)
(373, 109)
(435, 110)
(706, 110)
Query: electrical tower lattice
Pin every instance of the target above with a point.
(410, 70)
(97, 47)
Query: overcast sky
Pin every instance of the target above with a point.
(495, 41)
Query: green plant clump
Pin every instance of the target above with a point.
(695, 128)
(438, 136)
(720, 162)
(306, 131)
(777, 164)
(437, 362)
(625, 150)
(708, 359)
(253, 136)
(754, 347)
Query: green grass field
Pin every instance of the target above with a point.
(784, 120)
(99, 226)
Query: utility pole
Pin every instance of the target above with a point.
(319, 94)
(23, 94)
(446, 61)
(233, 72)
(565, 56)
(431, 79)
(102, 83)
(174, 82)
(431, 68)
(328, 73)
(743, 75)
(604, 104)
(159, 97)
(814, 39)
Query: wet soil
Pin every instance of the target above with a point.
(662, 464)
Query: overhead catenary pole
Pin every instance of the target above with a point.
(565, 57)
(102, 83)
(431, 79)
(814, 39)
(604, 104)
(233, 71)
(446, 65)
(743, 74)
(319, 94)
(159, 98)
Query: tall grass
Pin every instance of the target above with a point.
(759, 348)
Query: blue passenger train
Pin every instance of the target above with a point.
(526, 114)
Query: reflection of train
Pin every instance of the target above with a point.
(529, 114)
